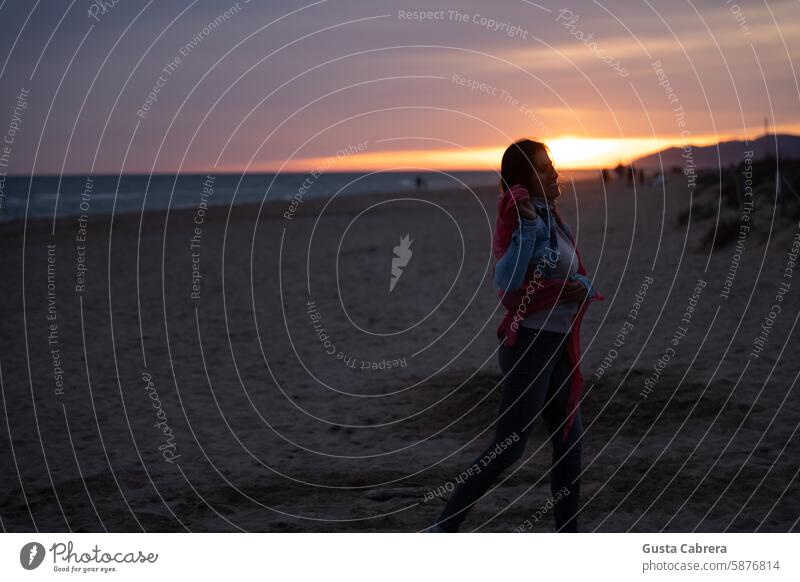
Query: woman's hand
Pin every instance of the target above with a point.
(573, 292)
(526, 209)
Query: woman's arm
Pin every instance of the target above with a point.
(509, 273)
(591, 292)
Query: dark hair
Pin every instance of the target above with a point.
(517, 165)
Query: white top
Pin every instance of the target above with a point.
(558, 318)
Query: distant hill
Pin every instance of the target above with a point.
(724, 153)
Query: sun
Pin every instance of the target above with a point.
(588, 153)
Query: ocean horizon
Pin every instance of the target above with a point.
(53, 196)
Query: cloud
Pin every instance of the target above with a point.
(214, 104)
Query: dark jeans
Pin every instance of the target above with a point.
(537, 375)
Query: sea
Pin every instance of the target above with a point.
(49, 197)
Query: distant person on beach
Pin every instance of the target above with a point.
(544, 288)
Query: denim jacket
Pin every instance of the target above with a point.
(532, 243)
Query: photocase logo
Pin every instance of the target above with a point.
(31, 555)
(402, 257)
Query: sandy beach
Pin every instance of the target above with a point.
(249, 369)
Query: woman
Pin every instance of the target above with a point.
(545, 290)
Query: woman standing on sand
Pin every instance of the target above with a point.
(545, 291)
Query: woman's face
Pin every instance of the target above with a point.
(545, 177)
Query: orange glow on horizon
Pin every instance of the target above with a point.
(568, 153)
(576, 153)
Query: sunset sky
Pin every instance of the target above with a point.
(286, 85)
